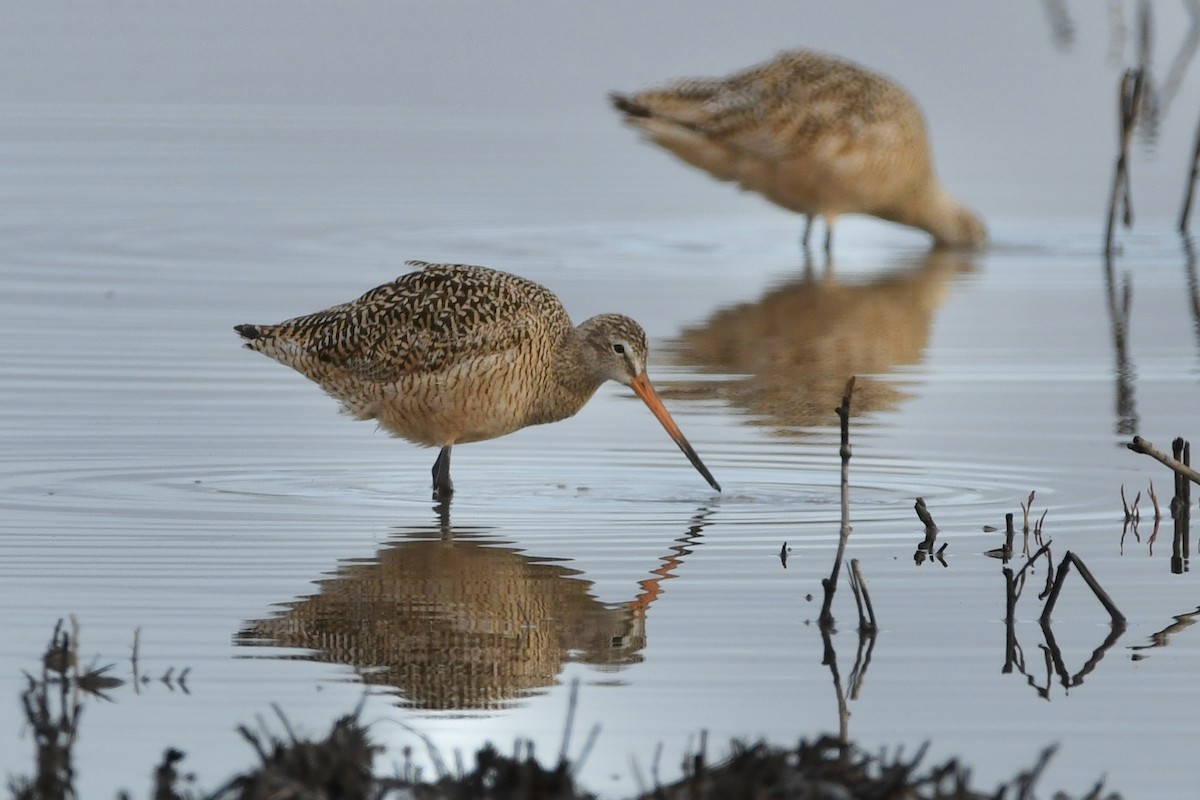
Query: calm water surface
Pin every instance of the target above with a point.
(156, 476)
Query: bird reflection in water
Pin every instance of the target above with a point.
(461, 620)
(797, 345)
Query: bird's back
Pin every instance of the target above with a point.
(809, 131)
(398, 352)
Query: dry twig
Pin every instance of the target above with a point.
(1140, 445)
(830, 583)
(1101, 595)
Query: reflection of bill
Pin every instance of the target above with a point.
(457, 623)
(794, 348)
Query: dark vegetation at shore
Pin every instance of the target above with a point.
(339, 765)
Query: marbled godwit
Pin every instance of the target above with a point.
(451, 354)
(814, 134)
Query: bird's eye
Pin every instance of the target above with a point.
(619, 349)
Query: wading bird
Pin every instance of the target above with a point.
(812, 133)
(450, 354)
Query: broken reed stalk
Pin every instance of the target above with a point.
(1181, 449)
(1015, 583)
(1140, 445)
(1101, 595)
(830, 583)
(1043, 549)
(858, 598)
(1129, 101)
(1130, 512)
(1181, 507)
(858, 585)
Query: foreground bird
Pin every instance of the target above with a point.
(451, 354)
(814, 134)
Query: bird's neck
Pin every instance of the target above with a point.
(936, 211)
(575, 377)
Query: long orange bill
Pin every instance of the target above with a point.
(644, 389)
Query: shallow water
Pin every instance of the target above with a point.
(156, 476)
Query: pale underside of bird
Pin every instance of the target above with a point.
(450, 354)
(814, 134)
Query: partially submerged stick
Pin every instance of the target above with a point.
(830, 583)
(1005, 551)
(1181, 507)
(858, 585)
(924, 515)
(1181, 451)
(1140, 445)
(925, 548)
(1101, 595)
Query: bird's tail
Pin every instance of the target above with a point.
(627, 105)
(676, 109)
(248, 332)
(261, 339)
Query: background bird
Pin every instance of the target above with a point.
(814, 134)
(451, 354)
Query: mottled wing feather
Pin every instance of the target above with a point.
(771, 109)
(424, 321)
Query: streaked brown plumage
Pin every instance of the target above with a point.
(814, 134)
(451, 354)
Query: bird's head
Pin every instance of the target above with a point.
(618, 347)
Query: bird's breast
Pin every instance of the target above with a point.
(472, 399)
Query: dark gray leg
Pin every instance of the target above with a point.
(808, 222)
(443, 487)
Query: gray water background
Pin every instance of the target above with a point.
(169, 170)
